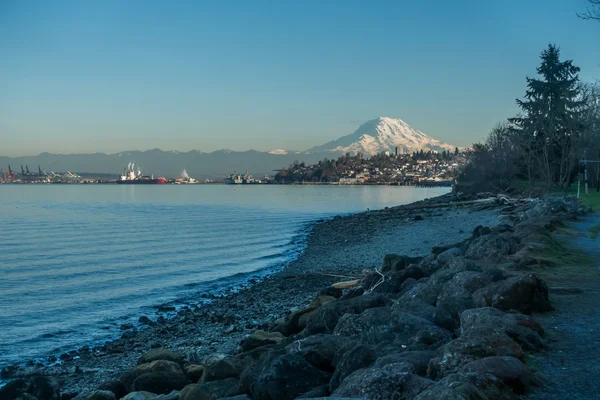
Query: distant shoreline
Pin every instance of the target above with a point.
(424, 184)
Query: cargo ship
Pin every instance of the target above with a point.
(131, 175)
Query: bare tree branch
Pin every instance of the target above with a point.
(593, 12)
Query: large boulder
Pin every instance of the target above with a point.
(491, 246)
(41, 387)
(172, 377)
(327, 316)
(438, 315)
(523, 329)
(194, 371)
(321, 391)
(210, 390)
(160, 354)
(470, 347)
(114, 386)
(395, 262)
(391, 381)
(349, 361)
(511, 371)
(419, 359)
(427, 292)
(392, 282)
(261, 338)
(297, 320)
(160, 382)
(250, 374)
(142, 396)
(101, 395)
(451, 268)
(527, 294)
(491, 386)
(389, 327)
(228, 367)
(452, 391)
(287, 377)
(448, 255)
(319, 350)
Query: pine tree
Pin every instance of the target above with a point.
(549, 123)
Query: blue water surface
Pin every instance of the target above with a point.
(76, 261)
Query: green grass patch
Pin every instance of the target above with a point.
(594, 230)
(591, 199)
(556, 261)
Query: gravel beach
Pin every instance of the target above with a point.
(337, 247)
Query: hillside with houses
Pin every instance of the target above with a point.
(418, 168)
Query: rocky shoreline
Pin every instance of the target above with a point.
(449, 317)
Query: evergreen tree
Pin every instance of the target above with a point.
(549, 123)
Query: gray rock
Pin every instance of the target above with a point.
(160, 382)
(261, 338)
(489, 385)
(391, 381)
(160, 354)
(318, 350)
(172, 375)
(491, 246)
(287, 377)
(321, 391)
(449, 254)
(395, 262)
(418, 359)
(238, 397)
(26, 396)
(527, 294)
(101, 395)
(354, 359)
(228, 367)
(426, 292)
(327, 316)
(194, 371)
(468, 348)
(210, 390)
(383, 327)
(40, 387)
(140, 396)
(487, 320)
(114, 386)
(452, 391)
(508, 369)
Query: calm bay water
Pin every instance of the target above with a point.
(77, 261)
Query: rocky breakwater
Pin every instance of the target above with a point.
(456, 324)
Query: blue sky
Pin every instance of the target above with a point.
(87, 76)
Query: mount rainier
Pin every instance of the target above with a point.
(383, 134)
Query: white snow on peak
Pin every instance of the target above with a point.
(383, 134)
(279, 152)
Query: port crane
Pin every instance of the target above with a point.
(9, 176)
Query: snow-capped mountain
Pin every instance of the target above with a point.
(383, 134)
(278, 152)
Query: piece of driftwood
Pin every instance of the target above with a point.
(346, 284)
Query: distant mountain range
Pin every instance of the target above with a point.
(381, 134)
